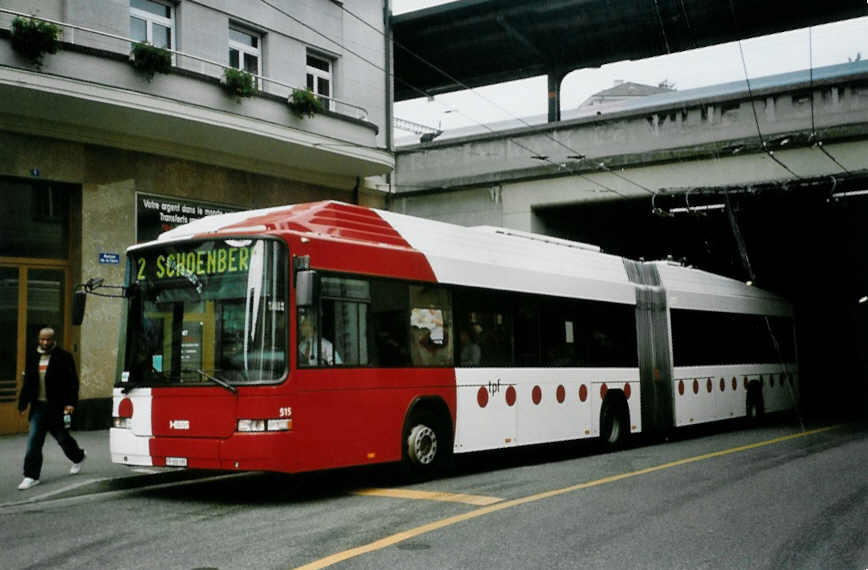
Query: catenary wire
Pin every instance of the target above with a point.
(414, 88)
(817, 143)
(423, 92)
(759, 133)
(494, 104)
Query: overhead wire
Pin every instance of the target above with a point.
(424, 93)
(508, 113)
(813, 138)
(533, 153)
(764, 145)
(740, 243)
(378, 67)
(759, 133)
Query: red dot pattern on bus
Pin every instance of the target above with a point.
(510, 396)
(125, 408)
(780, 382)
(482, 397)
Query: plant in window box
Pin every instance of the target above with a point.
(303, 103)
(238, 82)
(34, 38)
(150, 59)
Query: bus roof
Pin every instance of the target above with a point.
(487, 257)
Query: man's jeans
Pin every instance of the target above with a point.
(42, 421)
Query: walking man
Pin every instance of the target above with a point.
(51, 390)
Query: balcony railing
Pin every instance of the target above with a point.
(353, 110)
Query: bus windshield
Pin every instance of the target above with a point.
(207, 312)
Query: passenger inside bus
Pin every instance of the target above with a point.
(471, 353)
(308, 351)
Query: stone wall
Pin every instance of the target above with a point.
(102, 219)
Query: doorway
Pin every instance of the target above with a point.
(33, 295)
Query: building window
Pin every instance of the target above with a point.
(34, 218)
(152, 22)
(319, 78)
(244, 50)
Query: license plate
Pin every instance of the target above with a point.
(176, 462)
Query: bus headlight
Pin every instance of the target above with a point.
(283, 424)
(247, 426)
(123, 423)
(251, 425)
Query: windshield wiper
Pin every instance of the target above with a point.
(218, 381)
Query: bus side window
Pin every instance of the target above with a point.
(527, 334)
(387, 324)
(484, 323)
(344, 321)
(430, 326)
(558, 323)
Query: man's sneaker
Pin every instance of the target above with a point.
(27, 482)
(76, 467)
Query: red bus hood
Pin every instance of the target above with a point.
(180, 412)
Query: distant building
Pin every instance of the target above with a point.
(623, 91)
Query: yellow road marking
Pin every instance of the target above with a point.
(436, 525)
(477, 500)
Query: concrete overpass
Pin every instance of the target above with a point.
(481, 42)
(800, 129)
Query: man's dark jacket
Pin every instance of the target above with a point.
(61, 382)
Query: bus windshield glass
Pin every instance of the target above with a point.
(207, 312)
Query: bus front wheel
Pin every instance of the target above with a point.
(426, 445)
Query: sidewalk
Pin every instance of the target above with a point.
(98, 473)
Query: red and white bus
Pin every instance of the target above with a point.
(324, 335)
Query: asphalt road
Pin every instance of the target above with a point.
(769, 497)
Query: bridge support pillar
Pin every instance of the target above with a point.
(555, 78)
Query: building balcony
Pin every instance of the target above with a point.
(89, 92)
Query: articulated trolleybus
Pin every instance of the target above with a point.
(324, 335)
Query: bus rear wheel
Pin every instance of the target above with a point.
(614, 425)
(755, 406)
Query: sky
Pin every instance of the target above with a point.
(780, 53)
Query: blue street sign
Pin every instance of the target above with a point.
(110, 258)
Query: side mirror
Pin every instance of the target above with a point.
(79, 299)
(305, 287)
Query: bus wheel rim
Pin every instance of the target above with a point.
(423, 445)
